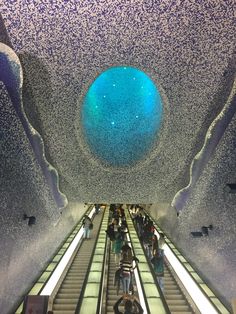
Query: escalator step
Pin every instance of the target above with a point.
(67, 295)
(63, 312)
(71, 291)
(177, 302)
(179, 308)
(65, 307)
(173, 296)
(66, 301)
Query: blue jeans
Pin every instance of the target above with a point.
(126, 283)
(86, 232)
(148, 249)
(160, 281)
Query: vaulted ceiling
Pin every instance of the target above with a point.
(185, 47)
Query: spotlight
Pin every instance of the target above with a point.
(31, 221)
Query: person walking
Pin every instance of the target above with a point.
(126, 265)
(118, 242)
(87, 225)
(130, 306)
(158, 265)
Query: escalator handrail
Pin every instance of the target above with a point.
(100, 299)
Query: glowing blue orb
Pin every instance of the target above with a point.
(121, 116)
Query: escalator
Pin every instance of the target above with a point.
(174, 296)
(112, 296)
(68, 294)
(88, 283)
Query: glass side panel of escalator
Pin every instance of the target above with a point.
(98, 258)
(156, 306)
(207, 290)
(219, 305)
(44, 276)
(92, 290)
(96, 267)
(36, 288)
(147, 277)
(51, 266)
(89, 306)
(94, 276)
(143, 267)
(196, 277)
(151, 290)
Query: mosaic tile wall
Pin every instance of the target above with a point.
(185, 47)
(25, 250)
(211, 203)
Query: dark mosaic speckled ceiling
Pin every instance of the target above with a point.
(185, 47)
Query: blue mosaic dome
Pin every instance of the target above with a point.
(121, 116)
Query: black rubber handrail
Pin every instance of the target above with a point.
(102, 276)
(108, 258)
(145, 299)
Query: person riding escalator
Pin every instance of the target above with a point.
(130, 306)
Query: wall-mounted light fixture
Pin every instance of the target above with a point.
(231, 188)
(203, 233)
(31, 221)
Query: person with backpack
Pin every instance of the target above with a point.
(130, 306)
(147, 239)
(158, 265)
(126, 266)
(118, 242)
(87, 225)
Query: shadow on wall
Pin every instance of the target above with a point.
(4, 38)
(220, 98)
(36, 90)
(223, 115)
